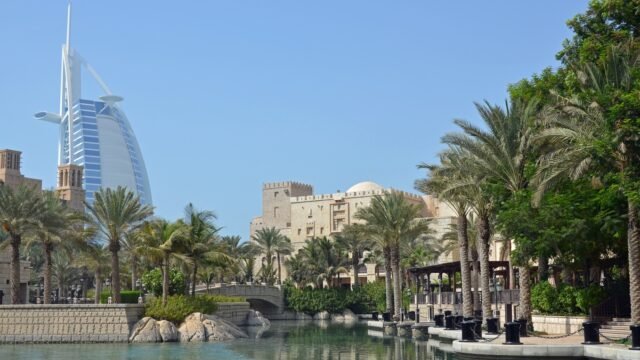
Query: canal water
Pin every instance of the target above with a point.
(283, 340)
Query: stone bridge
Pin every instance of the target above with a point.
(269, 300)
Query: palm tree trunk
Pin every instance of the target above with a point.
(484, 233)
(279, 269)
(475, 280)
(165, 279)
(354, 265)
(193, 279)
(633, 243)
(47, 272)
(115, 272)
(525, 294)
(387, 279)
(465, 273)
(134, 272)
(15, 268)
(397, 289)
(98, 280)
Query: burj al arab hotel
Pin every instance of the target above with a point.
(96, 134)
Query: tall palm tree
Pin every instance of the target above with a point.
(116, 213)
(392, 220)
(131, 247)
(353, 240)
(437, 182)
(55, 226)
(325, 260)
(19, 211)
(282, 249)
(580, 138)
(244, 254)
(161, 241)
(502, 153)
(95, 258)
(268, 241)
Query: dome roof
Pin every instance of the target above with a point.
(365, 186)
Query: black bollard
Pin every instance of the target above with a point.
(458, 319)
(635, 337)
(448, 322)
(386, 316)
(439, 320)
(478, 327)
(492, 326)
(468, 333)
(512, 333)
(591, 333)
(412, 315)
(523, 327)
(374, 316)
(447, 312)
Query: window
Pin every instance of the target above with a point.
(275, 212)
(310, 212)
(309, 231)
(299, 231)
(275, 194)
(321, 230)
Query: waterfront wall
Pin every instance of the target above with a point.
(233, 312)
(62, 323)
(557, 324)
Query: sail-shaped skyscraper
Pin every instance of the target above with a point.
(96, 134)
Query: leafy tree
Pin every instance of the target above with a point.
(153, 281)
(271, 244)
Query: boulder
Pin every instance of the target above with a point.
(349, 316)
(192, 329)
(218, 329)
(145, 331)
(168, 331)
(324, 315)
(337, 318)
(255, 318)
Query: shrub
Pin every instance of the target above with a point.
(588, 297)
(311, 301)
(567, 300)
(178, 307)
(377, 295)
(127, 297)
(152, 281)
(543, 297)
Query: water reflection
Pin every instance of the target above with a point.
(324, 340)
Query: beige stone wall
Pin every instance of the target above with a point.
(557, 324)
(67, 323)
(233, 312)
(5, 266)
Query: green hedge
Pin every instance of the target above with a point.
(178, 307)
(364, 299)
(565, 299)
(152, 281)
(127, 297)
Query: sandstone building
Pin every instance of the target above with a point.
(300, 214)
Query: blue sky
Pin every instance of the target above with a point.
(226, 95)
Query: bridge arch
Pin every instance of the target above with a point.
(266, 299)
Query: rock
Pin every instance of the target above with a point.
(145, 331)
(324, 315)
(192, 329)
(218, 329)
(255, 318)
(349, 316)
(168, 331)
(303, 316)
(337, 318)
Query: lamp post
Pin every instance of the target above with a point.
(107, 283)
(139, 286)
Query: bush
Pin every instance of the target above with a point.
(565, 300)
(543, 297)
(152, 281)
(589, 296)
(127, 297)
(178, 307)
(364, 299)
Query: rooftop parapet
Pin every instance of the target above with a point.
(284, 184)
(351, 195)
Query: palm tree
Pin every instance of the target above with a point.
(268, 241)
(437, 182)
(299, 270)
(353, 240)
(131, 246)
(95, 258)
(19, 211)
(116, 213)
(55, 226)
(578, 136)
(392, 220)
(203, 242)
(325, 260)
(243, 252)
(161, 241)
(501, 153)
